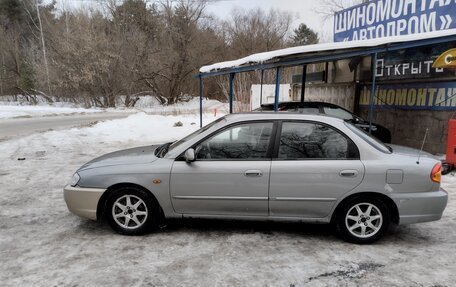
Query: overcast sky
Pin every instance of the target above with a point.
(302, 10)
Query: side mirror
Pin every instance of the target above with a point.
(189, 155)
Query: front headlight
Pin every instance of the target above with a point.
(74, 180)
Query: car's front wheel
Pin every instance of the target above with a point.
(363, 220)
(131, 211)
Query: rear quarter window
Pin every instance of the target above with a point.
(372, 141)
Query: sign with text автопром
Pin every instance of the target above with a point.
(418, 96)
(385, 18)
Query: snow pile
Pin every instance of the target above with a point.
(14, 111)
(22, 100)
(190, 107)
(266, 56)
(140, 128)
(135, 130)
(146, 104)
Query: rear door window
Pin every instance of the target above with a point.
(308, 140)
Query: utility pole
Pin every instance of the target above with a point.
(43, 46)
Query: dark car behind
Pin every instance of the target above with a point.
(378, 131)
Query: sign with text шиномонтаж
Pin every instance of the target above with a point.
(386, 18)
(418, 96)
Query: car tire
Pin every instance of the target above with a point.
(362, 220)
(132, 211)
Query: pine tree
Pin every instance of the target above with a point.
(11, 9)
(303, 35)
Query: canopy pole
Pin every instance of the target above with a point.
(201, 100)
(371, 104)
(231, 92)
(261, 87)
(277, 90)
(303, 82)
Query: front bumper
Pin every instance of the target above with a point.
(420, 206)
(83, 201)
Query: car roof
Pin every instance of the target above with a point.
(301, 104)
(253, 116)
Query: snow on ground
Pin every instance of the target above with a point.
(15, 111)
(145, 104)
(191, 107)
(42, 244)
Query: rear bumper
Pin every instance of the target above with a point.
(83, 201)
(420, 206)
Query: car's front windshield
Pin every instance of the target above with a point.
(369, 138)
(194, 134)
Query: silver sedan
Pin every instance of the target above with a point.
(264, 166)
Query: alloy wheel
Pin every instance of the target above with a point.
(129, 212)
(364, 220)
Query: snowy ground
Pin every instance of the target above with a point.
(42, 244)
(11, 111)
(191, 107)
(149, 105)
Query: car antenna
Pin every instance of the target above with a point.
(422, 146)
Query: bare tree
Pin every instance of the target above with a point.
(128, 49)
(181, 51)
(327, 8)
(43, 45)
(250, 32)
(255, 31)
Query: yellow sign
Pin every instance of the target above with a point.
(446, 60)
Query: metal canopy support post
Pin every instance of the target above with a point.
(277, 90)
(303, 82)
(261, 87)
(201, 100)
(231, 92)
(371, 103)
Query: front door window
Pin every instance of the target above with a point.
(243, 142)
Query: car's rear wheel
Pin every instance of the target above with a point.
(132, 211)
(363, 220)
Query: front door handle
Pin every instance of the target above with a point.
(253, 173)
(349, 173)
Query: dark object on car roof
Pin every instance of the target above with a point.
(323, 108)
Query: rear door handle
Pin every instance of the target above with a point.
(349, 173)
(253, 173)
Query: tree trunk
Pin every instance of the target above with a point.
(43, 46)
(2, 74)
(110, 100)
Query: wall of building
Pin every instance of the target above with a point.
(340, 94)
(344, 82)
(268, 97)
(405, 69)
(408, 127)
